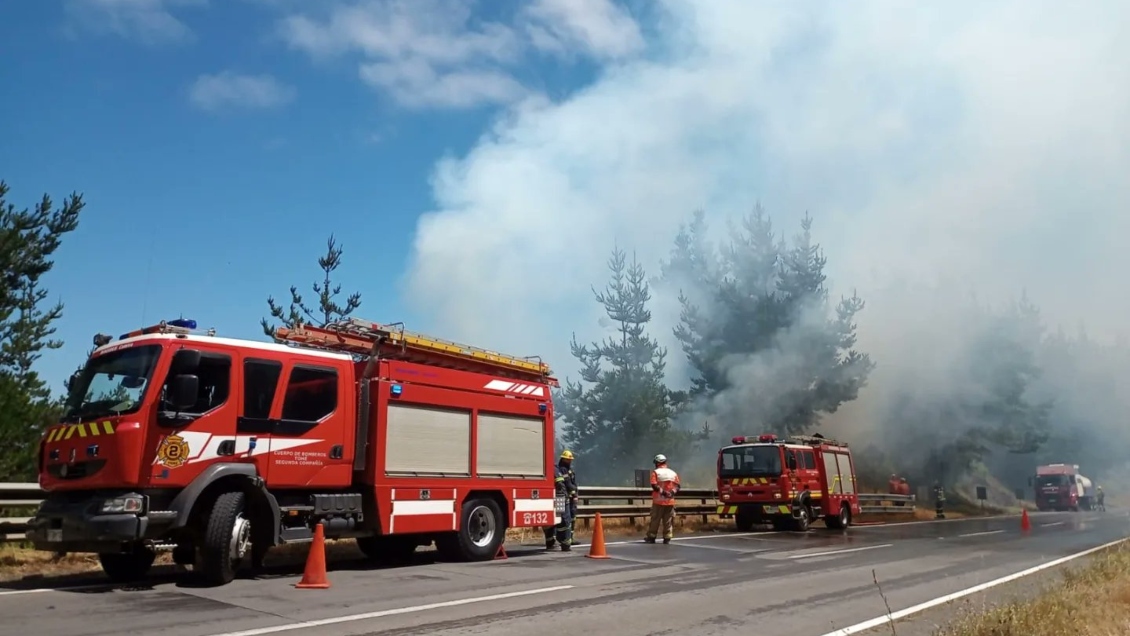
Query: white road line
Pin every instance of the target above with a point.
(391, 612)
(980, 534)
(1048, 525)
(941, 600)
(820, 554)
(35, 591)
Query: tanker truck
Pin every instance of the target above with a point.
(1062, 487)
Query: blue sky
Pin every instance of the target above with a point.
(202, 198)
(479, 160)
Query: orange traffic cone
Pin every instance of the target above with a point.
(596, 548)
(1025, 525)
(314, 577)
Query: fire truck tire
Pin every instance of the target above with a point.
(227, 539)
(481, 531)
(839, 521)
(801, 523)
(126, 567)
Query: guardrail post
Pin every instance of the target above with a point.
(631, 520)
(586, 519)
(704, 516)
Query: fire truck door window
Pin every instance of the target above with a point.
(215, 383)
(809, 460)
(847, 484)
(260, 383)
(832, 471)
(311, 395)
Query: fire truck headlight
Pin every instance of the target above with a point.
(125, 504)
(725, 497)
(776, 495)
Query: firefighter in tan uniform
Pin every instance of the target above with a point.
(664, 487)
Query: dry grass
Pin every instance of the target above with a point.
(1091, 600)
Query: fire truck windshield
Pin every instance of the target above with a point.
(751, 461)
(111, 384)
(1052, 480)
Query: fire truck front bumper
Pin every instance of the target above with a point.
(102, 522)
(755, 510)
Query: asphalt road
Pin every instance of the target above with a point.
(807, 585)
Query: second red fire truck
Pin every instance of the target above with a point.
(788, 483)
(217, 449)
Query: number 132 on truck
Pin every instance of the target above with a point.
(217, 449)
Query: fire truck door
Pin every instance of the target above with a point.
(259, 410)
(310, 442)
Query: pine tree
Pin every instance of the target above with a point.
(766, 306)
(28, 242)
(622, 417)
(328, 309)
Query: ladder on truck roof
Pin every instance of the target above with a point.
(391, 341)
(814, 440)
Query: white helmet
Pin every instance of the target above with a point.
(660, 459)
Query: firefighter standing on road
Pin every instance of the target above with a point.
(564, 485)
(664, 487)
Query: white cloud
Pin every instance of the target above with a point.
(599, 27)
(982, 144)
(228, 89)
(149, 21)
(437, 53)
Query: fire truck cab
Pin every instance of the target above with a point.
(216, 449)
(787, 483)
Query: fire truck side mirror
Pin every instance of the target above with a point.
(182, 391)
(184, 361)
(790, 461)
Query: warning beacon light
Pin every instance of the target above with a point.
(768, 437)
(187, 323)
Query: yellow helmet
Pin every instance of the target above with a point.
(567, 455)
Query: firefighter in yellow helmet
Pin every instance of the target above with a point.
(565, 485)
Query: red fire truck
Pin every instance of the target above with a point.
(787, 483)
(217, 449)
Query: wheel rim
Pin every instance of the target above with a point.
(481, 526)
(240, 538)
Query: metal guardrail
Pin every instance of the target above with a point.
(611, 502)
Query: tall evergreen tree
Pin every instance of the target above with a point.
(328, 309)
(28, 242)
(622, 417)
(766, 303)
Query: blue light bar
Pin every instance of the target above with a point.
(395, 390)
(187, 323)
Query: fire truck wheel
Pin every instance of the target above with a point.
(128, 566)
(227, 539)
(481, 530)
(800, 523)
(841, 520)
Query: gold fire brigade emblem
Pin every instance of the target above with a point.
(173, 451)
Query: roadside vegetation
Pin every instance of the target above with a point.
(1087, 600)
